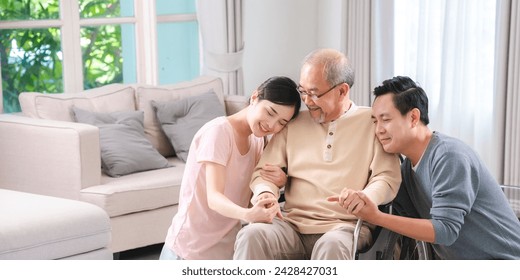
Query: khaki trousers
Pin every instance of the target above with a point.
(280, 241)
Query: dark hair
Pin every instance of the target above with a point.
(282, 91)
(407, 96)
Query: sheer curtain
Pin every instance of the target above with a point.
(358, 38)
(220, 23)
(509, 51)
(448, 47)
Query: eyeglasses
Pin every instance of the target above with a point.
(314, 97)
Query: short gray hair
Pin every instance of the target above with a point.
(336, 66)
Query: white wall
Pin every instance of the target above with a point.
(279, 33)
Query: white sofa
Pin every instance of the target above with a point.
(43, 151)
(38, 227)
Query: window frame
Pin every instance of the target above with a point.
(145, 21)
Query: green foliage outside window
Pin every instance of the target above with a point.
(102, 55)
(29, 9)
(101, 45)
(31, 59)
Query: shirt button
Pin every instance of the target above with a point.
(329, 146)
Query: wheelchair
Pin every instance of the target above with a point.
(386, 244)
(389, 245)
(513, 196)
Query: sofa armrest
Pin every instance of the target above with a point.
(48, 157)
(235, 103)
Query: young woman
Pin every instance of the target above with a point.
(215, 191)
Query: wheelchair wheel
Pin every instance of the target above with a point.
(400, 247)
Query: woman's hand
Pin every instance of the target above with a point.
(274, 174)
(264, 210)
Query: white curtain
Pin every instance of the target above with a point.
(358, 38)
(510, 25)
(448, 47)
(382, 42)
(220, 23)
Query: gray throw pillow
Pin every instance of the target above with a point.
(124, 147)
(181, 119)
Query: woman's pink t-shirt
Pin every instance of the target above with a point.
(197, 232)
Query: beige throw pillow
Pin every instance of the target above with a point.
(146, 94)
(57, 106)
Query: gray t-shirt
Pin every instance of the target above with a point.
(471, 216)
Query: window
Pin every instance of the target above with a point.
(177, 23)
(70, 45)
(448, 47)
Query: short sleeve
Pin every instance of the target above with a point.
(214, 143)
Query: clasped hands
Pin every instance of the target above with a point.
(265, 209)
(355, 202)
(266, 206)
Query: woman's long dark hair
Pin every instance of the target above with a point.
(282, 91)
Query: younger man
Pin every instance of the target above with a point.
(448, 195)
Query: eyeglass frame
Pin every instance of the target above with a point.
(315, 97)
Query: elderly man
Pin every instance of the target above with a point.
(331, 150)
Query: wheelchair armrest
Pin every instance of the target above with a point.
(385, 208)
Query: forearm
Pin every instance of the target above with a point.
(420, 229)
(274, 154)
(385, 177)
(225, 207)
(263, 188)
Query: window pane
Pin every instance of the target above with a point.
(29, 9)
(168, 7)
(106, 8)
(103, 49)
(31, 61)
(178, 45)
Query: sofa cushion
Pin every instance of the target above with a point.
(181, 119)
(109, 98)
(38, 227)
(145, 94)
(124, 195)
(124, 147)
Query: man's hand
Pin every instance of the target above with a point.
(350, 200)
(368, 212)
(274, 174)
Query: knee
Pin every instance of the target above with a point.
(328, 244)
(332, 249)
(251, 243)
(251, 232)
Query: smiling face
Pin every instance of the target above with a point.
(329, 106)
(266, 118)
(392, 129)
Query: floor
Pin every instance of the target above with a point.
(151, 252)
